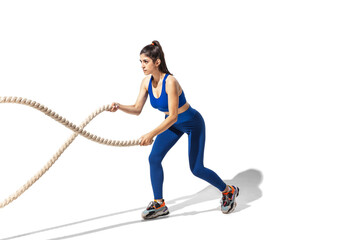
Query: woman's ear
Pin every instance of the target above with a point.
(157, 62)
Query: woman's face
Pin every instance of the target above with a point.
(148, 65)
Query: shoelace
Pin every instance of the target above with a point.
(227, 197)
(153, 205)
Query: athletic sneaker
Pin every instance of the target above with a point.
(155, 209)
(228, 203)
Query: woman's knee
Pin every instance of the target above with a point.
(198, 171)
(155, 158)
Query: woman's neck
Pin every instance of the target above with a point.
(157, 76)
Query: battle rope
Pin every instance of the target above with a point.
(76, 129)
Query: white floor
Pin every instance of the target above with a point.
(277, 83)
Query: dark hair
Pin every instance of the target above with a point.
(154, 51)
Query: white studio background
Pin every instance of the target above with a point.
(276, 81)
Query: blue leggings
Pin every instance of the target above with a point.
(192, 123)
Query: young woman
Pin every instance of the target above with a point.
(167, 96)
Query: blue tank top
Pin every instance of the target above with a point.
(161, 103)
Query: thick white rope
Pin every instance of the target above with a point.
(77, 130)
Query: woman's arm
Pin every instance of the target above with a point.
(172, 87)
(139, 104)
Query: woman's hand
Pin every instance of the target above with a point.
(147, 139)
(114, 107)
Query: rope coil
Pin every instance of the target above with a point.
(76, 129)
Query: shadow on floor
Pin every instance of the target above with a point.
(247, 181)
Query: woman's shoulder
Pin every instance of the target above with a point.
(146, 81)
(172, 82)
(171, 79)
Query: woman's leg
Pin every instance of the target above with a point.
(161, 146)
(196, 154)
